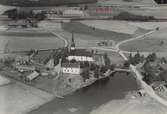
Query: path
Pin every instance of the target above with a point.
(136, 38)
(60, 37)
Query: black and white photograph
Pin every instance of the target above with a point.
(83, 56)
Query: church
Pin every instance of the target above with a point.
(75, 57)
(80, 55)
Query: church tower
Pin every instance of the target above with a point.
(72, 47)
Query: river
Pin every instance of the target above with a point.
(87, 99)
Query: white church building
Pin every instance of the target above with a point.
(79, 55)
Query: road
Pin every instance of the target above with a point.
(60, 37)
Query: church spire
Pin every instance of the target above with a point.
(72, 42)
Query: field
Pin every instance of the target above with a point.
(115, 26)
(99, 34)
(143, 105)
(17, 98)
(156, 42)
(20, 40)
(149, 25)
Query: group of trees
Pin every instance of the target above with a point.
(128, 0)
(161, 1)
(136, 59)
(15, 14)
(151, 57)
(107, 60)
(150, 73)
(152, 69)
(7, 62)
(133, 17)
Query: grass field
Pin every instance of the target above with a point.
(149, 25)
(80, 28)
(113, 26)
(115, 58)
(156, 42)
(17, 98)
(15, 40)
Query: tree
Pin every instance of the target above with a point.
(107, 60)
(86, 7)
(163, 60)
(163, 75)
(162, 42)
(8, 61)
(103, 69)
(30, 52)
(85, 75)
(151, 57)
(93, 67)
(112, 67)
(150, 73)
(126, 64)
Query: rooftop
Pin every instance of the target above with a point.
(71, 65)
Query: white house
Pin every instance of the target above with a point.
(71, 68)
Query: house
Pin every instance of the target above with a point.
(71, 68)
(22, 60)
(32, 76)
(25, 68)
